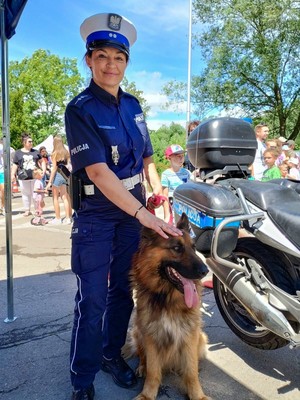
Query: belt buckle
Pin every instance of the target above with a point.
(128, 183)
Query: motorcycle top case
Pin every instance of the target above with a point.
(206, 206)
(220, 142)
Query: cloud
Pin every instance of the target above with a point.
(151, 84)
(169, 14)
(155, 124)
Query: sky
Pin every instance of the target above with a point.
(159, 55)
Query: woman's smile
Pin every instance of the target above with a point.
(108, 67)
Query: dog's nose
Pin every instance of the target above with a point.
(202, 270)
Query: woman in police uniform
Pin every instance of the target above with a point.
(110, 149)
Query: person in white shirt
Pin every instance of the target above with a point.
(258, 166)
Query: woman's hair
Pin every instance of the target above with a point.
(192, 125)
(25, 136)
(59, 153)
(89, 53)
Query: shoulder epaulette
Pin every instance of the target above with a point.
(131, 96)
(81, 99)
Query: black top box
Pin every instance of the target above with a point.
(220, 142)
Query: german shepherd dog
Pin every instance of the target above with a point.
(166, 331)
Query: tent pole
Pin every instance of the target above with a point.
(7, 161)
(188, 113)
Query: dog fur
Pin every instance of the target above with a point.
(166, 330)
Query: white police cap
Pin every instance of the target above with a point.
(108, 30)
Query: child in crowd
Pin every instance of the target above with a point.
(281, 158)
(271, 144)
(284, 169)
(38, 197)
(272, 171)
(294, 172)
(174, 176)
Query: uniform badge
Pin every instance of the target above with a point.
(139, 118)
(115, 154)
(114, 22)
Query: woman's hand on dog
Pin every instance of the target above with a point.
(164, 229)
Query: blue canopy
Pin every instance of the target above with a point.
(12, 11)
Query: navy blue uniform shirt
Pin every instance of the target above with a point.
(95, 121)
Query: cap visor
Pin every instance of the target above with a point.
(99, 44)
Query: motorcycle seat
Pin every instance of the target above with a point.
(286, 216)
(290, 183)
(265, 194)
(281, 203)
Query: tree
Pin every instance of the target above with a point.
(40, 88)
(164, 137)
(131, 88)
(252, 54)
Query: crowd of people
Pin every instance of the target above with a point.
(36, 174)
(275, 158)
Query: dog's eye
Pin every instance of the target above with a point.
(178, 249)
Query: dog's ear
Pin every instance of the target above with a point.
(183, 223)
(147, 236)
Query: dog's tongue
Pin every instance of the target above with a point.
(190, 293)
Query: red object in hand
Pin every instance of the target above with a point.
(155, 201)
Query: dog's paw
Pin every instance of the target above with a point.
(141, 396)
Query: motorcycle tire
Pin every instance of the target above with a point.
(233, 312)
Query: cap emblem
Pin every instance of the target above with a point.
(114, 22)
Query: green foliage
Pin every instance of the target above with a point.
(39, 89)
(252, 54)
(164, 137)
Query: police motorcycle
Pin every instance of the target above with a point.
(256, 275)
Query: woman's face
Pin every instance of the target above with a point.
(108, 67)
(43, 153)
(27, 143)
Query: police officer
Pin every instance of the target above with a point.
(110, 149)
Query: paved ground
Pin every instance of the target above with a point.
(34, 348)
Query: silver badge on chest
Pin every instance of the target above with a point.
(115, 154)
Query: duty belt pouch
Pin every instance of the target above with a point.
(74, 186)
(75, 191)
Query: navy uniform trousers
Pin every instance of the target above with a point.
(101, 247)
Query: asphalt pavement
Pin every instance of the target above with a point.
(34, 348)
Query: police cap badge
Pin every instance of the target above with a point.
(108, 30)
